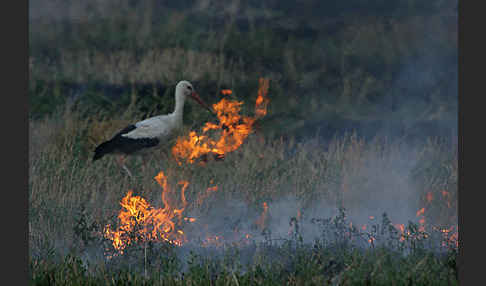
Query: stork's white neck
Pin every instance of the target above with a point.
(180, 98)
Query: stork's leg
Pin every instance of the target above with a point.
(144, 162)
(121, 162)
(165, 153)
(128, 171)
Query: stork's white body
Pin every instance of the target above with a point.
(160, 127)
(150, 132)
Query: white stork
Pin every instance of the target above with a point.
(150, 132)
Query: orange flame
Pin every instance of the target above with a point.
(205, 195)
(233, 129)
(226, 91)
(420, 211)
(262, 100)
(139, 221)
(215, 240)
(446, 194)
(261, 220)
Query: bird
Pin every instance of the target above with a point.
(140, 137)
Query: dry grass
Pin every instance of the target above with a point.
(361, 176)
(164, 66)
(341, 71)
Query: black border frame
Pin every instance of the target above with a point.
(15, 140)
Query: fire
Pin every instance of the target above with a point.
(446, 195)
(262, 100)
(141, 222)
(401, 228)
(450, 236)
(215, 240)
(205, 195)
(233, 129)
(420, 211)
(261, 220)
(226, 91)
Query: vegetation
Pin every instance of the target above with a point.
(333, 66)
(72, 198)
(362, 119)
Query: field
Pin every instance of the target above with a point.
(71, 199)
(349, 179)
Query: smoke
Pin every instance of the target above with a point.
(374, 183)
(379, 180)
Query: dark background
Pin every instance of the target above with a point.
(378, 67)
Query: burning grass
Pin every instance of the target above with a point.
(332, 259)
(139, 221)
(248, 218)
(232, 127)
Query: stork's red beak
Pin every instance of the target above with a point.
(196, 97)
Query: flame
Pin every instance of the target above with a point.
(446, 194)
(202, 197)
(214, 240)
(450, 234)
(226, 91)
(261, 220)
(420, 211)
(262, 100)
(232, 127)
(401, 228)
(140, 222)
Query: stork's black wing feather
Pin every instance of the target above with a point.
(125, 130)
(122, 144)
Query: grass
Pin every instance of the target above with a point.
(72, 198)
(384, 64)
(333, 68)
(304, 267)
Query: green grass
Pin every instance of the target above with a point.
(302, 267)
(390, 62)
(72, 198)
(332, 67)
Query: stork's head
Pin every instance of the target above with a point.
(185, 88)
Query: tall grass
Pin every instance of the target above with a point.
(331, 66)
(320, 68)
(71, 198)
